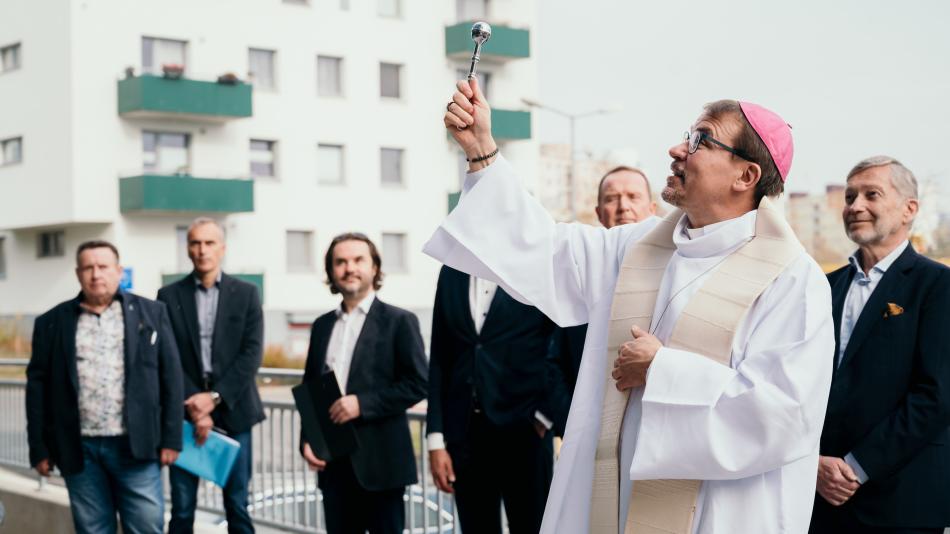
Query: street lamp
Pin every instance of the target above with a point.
(572, 118)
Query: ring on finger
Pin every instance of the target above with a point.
(448, 107)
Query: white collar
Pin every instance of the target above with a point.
(713, 239)
(363, 306)
(885, 263)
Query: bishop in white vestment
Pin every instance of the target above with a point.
(748, 430)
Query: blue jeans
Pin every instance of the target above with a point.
(184, 488)
(113, 481)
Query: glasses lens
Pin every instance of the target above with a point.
(693, 141)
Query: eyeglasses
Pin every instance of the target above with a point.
(693, 140)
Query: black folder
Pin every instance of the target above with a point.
(327, 439)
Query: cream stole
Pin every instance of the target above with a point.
(706, 326)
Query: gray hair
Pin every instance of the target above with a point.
(201, 221)
(901, 178)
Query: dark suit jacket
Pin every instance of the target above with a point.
(890, 396)
(388, 376)
(236, 347)
(152, 410)
(567, 350)
(505, 364)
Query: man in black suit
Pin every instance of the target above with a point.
(376, 352)
(885, 459)
(102, 398)
(492, 404)
(219, 329)
(623, 197)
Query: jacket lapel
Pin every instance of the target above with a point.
(322, 333)
(133, 327)
(839, 293)
(873, 311)
(364, 345)
(189, 309)
(69, 342)
(225, 290)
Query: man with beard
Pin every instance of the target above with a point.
(704, 381)
(884, 465)
(376, 352)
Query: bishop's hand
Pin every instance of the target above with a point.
(635, 357)
(468, 119)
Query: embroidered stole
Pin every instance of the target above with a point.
(706, 326)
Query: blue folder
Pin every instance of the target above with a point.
(213, 460)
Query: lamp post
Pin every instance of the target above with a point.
(572, 119)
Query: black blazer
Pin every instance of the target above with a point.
(388, 376)
(890, 396)
(236, 347)
(152, 410)
(506, 365)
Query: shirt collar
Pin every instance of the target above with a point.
(119, 296)
(363, 306)
(885, 263)
(713, 239)
(217, 281)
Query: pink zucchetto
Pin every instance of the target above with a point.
(774, 132)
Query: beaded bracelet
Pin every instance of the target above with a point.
(491, 154)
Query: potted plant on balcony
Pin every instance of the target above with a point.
(229, 78)
(173, 71)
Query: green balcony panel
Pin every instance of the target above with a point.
(255, 279)
(174, 194)
(154, 96)
(505, 43)
(510, 125)
(453, 199)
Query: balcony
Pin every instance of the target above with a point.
(510, 125)
(453, 200)
(149, 96)
(254, 279)
(506, 43)
(151, 193)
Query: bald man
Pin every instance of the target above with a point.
(623, 196)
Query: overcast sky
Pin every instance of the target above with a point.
(853, 78)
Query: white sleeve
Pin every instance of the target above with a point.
(501, 233)
(705, 421)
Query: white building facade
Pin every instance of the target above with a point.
(287, 121)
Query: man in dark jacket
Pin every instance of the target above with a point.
(219, 329)
(885, 463)
(376, 353)
(103, 398)
(492, 404)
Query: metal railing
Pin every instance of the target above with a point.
(283, 491)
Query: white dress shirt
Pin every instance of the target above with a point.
(346, 331)
(862, 285)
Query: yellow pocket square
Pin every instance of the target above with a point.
(892, 310)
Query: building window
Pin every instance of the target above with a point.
(10, 57)
(158, 52)
(183, 262)
(329, 76)
(394, 253)
(51, 244)
(299, 251)
(467, 10)
(262, 158)
(11, 151)
(390, 166)
(389, 80)
(165, 152)
(260, 69)
(3, 258)
(388, 8)
(345, 5)
(484, 80)
(330, 164)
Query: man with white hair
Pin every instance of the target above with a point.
(885, 463)
(703, 384)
